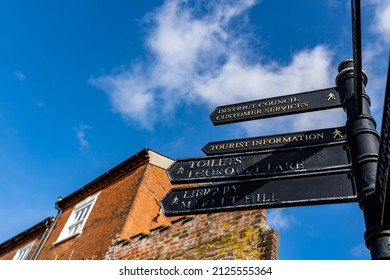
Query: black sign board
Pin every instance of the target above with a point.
(291, 162)
(383, 171)
(357, 53)
(260, 194)
(278, 106)
(305, 138)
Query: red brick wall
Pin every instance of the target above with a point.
(106, 220)
(125, 208)
(146, 212)
(232, 235)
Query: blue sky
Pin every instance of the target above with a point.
(86, 84)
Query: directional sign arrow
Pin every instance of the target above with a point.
(278, 106)
(260, 194)
(291, 162)
(297, 139)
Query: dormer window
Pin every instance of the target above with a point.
(78, 218)
(22, 253)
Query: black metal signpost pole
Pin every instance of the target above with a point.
(357, 52)
(364, 144)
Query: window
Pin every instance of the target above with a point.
(22, 253)
(77, 219)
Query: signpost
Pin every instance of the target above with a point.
(279, 106)
(305, 190)
(281, 141)
(303, 168)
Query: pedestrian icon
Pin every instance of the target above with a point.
(175, 200)
(331, 96)
(336, 134)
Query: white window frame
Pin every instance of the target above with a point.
(23, 252)
(77, 219)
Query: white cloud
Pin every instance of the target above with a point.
(379, 26)
(375, 52)
(130, 95)
(381, 21)
(278, 219)
(40, 104)
(241, 81)
(20, 76)
(81, 135)
(202, 58)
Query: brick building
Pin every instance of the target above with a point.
(118, 216)
(26, 244)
